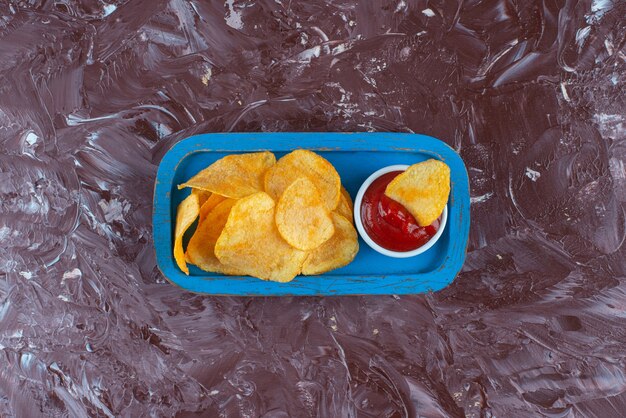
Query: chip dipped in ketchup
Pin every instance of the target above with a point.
(388, 223)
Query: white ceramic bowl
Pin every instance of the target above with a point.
(369, 241)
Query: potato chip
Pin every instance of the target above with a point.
(234, 176)
(203, 196)
(422, 189)
(301, 216)
(209, 205)
(303, 163)
(201, 247)
(345, 207)
(186, 214)
(251, 243)
(348, 198)
(337, 252)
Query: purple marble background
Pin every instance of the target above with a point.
(530, 93)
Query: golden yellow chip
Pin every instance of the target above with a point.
(201, 247)
(347, 197)
(209, 205)
(345, 207)
(251, 243)
(234, 176)
(301, 216)
(337, 252)
(422, 189)
(203, 196)
(186, 214)
(303, 163)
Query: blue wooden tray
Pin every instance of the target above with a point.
(355, 156)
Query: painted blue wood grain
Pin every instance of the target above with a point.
(356, 156)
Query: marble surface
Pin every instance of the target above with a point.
(530, 93)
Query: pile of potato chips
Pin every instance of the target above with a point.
(266, 218)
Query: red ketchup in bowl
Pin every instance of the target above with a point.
(388, 223)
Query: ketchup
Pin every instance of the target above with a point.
(388, 223)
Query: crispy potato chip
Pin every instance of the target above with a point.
(203, 196)
(348, 198)
(301, 216)
(251, 243)
(209, 205)
(186, 214)
(337, 252)
(234, 176)
(201, 247)
(423, 189)
(303, 163)
(345, 207)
